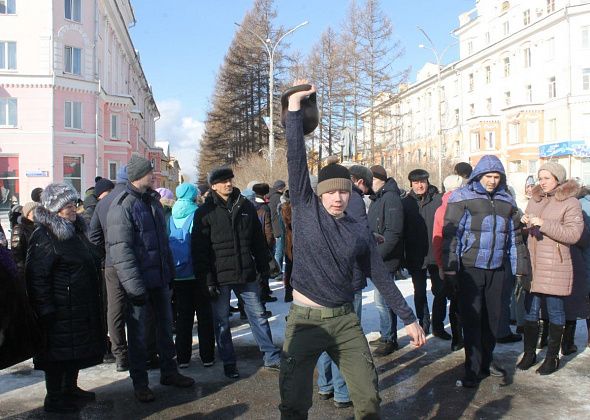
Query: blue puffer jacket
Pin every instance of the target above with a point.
(482, 229)
(138, 241)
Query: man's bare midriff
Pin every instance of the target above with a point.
(303, 300)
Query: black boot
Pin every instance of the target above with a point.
(567, 342)
(543, 331)
(73, 391)
(529, 358)
(551, 362)
(55, 402)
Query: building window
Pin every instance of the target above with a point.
(513, 134)
(72, 167)
(73, 10)
(73, 115)
(471, 82)
(552, 129)
(488, 71)
(471, 109)
(507, 98)
(470, 47)
(533, 166)
(7, 7)
(114, 126)
(506, 28)
(487, 38)
(7, 55)
(552, 88)
(73, 60)
(9, 188)
(529, 93)
(586, 79)
(113, 168)
(490, 140)
(489, 105)
(456, 117)
(550, 6)
(526, 17)
(585, 36)
(506, 66)
(8, 114)
(474, 141)
(526, 54)
(532, 131)
(550, 48)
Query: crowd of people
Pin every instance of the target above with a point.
(119, 277)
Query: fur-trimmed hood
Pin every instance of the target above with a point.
(61, 228)
(561, 193)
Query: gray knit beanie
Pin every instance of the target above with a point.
(138, 167)
(557, 170)
(55, 196)
(30, 206)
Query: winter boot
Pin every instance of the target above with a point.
(529, 358)
(567, 342)
(551, 362)
(543, 331)
(55, 402)
(71, 389)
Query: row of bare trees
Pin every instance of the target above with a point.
(351, 66)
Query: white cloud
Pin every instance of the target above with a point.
(183, 132)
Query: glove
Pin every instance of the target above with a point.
(48, 320)
(214, 292)
(138, 300)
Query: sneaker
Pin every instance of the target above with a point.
(231, 371)
(275, 367)
(510, 338)
(122, 365)
(325, 395)
(144, 395)
(177, 380)
(209, 364)
(339, 404)
(183, 365)
(385, 349)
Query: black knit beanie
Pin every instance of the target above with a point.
(333, 177)
(418, 175)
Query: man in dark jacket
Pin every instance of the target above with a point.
(138, 245)
(274, 199)
(386, 221)
(102, 187)
(481, 231)
(229, 250)
(420, 205)
(264, 216)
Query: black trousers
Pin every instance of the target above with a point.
(116, 306)
(480, 307)
(191, 299)
(439, 305)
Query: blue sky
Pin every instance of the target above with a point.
(182, 44)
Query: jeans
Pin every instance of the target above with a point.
(439, 304)
(250, 294)
(280, 250)
(387, 318)
(329, 377)
(555, 307)
(159, 302)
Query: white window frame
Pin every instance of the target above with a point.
(550, 49)
(586, 79)
(116, 163)
(471, 109)
(585, 41)
(72, 114)
(5, 59)
(529, 93)
(81, 177)
(532, 131)
(526, 52)
(6, 104)
(526, 17)
(507, 98)
(69, 60)
(506, 28)
(552, 129)
(471, 82)
(115, 129)
(506, 62)
(514, 133)
(469, 47)
(9, 7)
(74, 6)
(550, 6)
(488, 74)
(552, 87)
(489, 105)
(474, 141)
(490, 140)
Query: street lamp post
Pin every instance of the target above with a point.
(270, 51)
(438, 56)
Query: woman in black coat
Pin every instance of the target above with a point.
(64, 290)
(21, 233)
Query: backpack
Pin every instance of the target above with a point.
(180, 245)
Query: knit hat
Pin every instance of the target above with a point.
(463, 169)
(28, 207)
(333, 177)
(165, 193)
(122, 175)
(379, 172)
(452, 182)
(103, 185)
(279, 184)
(557, 170)
(362, 172)
(138, 167)
(418, 175)
(36, 194)
(261, 189)
(220, 174)
(55, 196)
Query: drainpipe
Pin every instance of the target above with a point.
(96, 96)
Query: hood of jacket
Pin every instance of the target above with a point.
(487, 164)
(90, 201)
(61, 228)
(185, 205)
(561, 193)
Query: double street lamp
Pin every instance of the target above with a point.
(270, 49)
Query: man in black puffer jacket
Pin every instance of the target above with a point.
(228, 250)
(138, 245)
(420, 205)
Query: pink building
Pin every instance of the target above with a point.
(74, 100)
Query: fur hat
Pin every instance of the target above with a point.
(362, 172)
(261, 189)
(103, 185)
(28, 207)
(452, 182)
(55, 196)
(379, 172)
(418, 175)
(557, 170)
(333, 177)
(220, 174)
(311, 116)
(138, 167)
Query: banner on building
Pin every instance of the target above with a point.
(576, 148)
